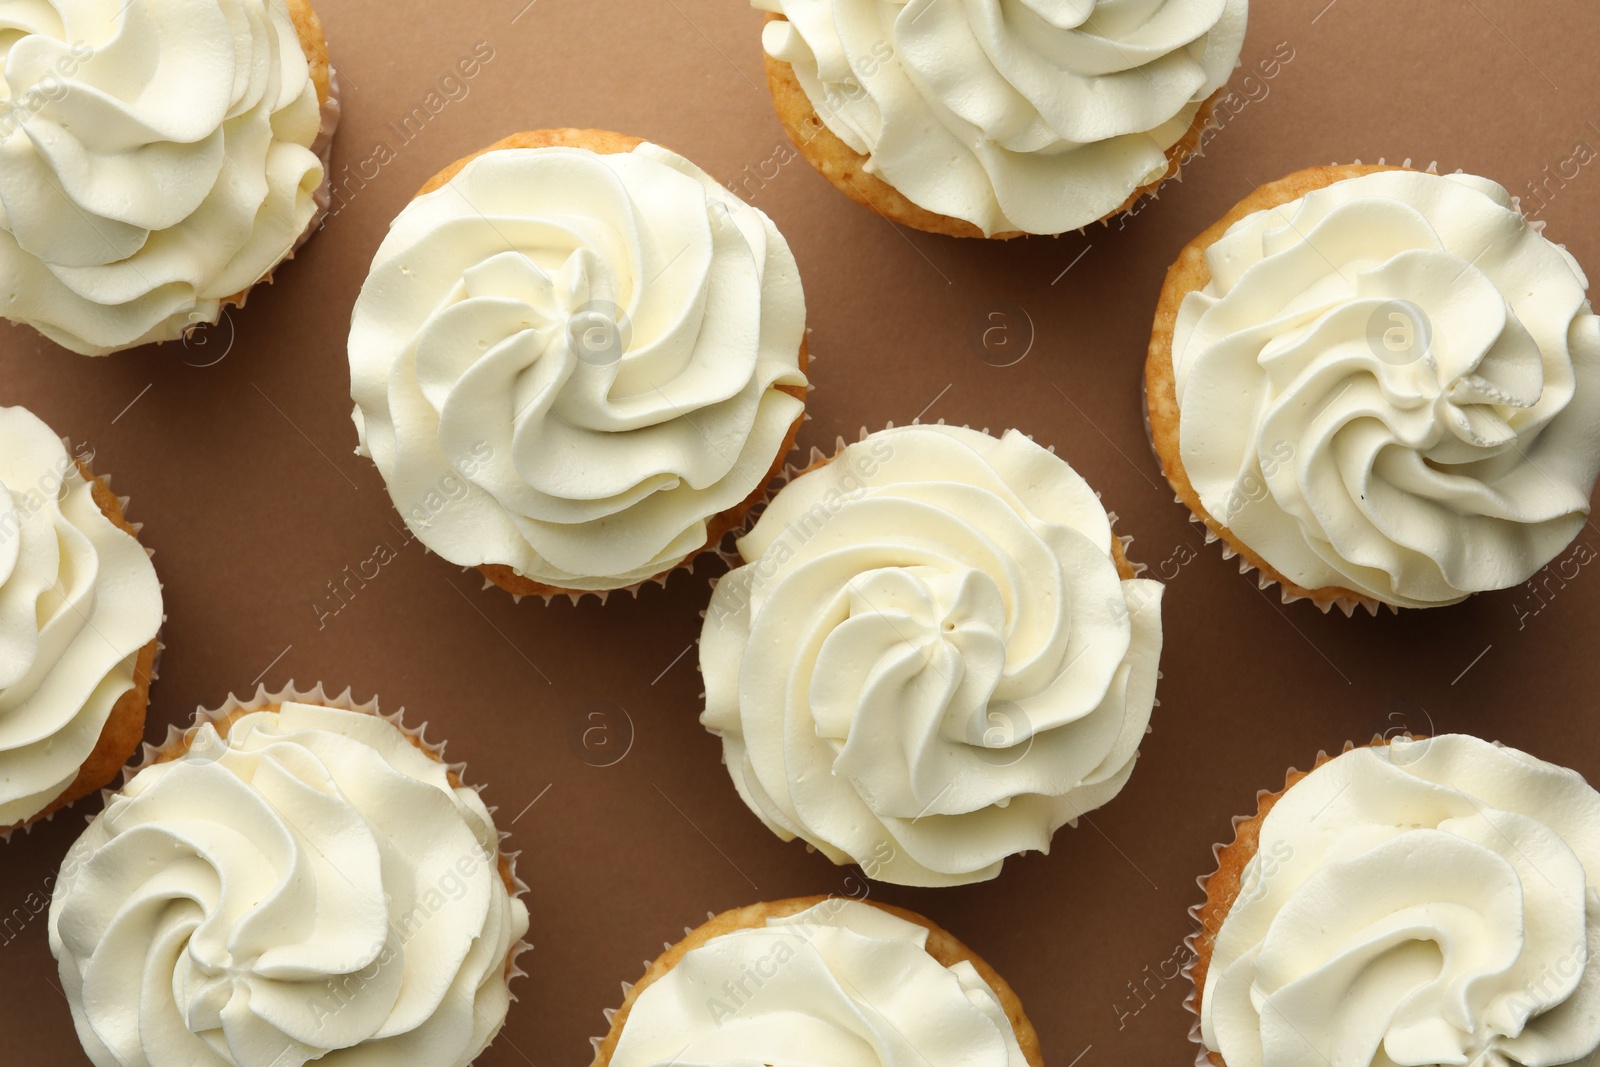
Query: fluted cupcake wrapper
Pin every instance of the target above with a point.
(576, 596)
(1202, 1056)
(179, 739)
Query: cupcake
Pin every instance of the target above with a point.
(933, 655)
(80, 608)
(1420, 902)
(159, 161)
(292, 880)
(846, 981)
(577, 362)
(985, 119)
(1379, 386)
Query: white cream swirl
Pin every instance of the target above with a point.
(1428, 902)
(929, 661)
(310, 888)
(155, 159)
(1033, 115)
(78, 601)
(1411, 371)
(566, 362)
(843, 983)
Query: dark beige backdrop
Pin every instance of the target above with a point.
(238, 456)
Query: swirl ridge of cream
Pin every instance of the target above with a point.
(853, 985)
(79, 600)
(1039, 116)
(1411, 370)
(289, 884)
(598, 353)
(160, 160)
(932, 657)
(1423, 901)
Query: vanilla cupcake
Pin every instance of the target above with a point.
(160, 159)
(577, 361)
(1379, 385)
(989, 119)
(293, 880)
(933, 656)
(80, 608)
(1422, 902)
(852, 983)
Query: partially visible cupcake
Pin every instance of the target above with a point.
(977, 118)
(1422, 902)
(577, 361)
(846, 982)
(296, 879)
(160, 160)
(1379, 386)
(934, 655)
(80, 608)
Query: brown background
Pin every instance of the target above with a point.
(244, 474)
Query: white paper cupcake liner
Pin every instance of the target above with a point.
(1191, 1001)
(1191, 942)
(576, 596)
(1202, 1056)
(178, 740)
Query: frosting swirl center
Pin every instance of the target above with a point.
(962, 669)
